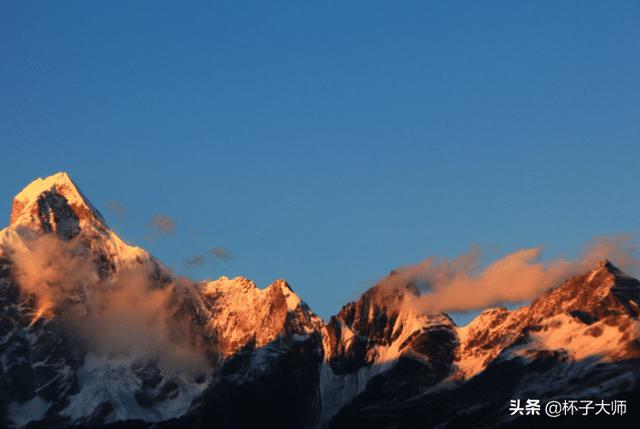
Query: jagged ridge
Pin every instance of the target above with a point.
(376, 361)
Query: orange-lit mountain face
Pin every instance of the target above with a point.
(97, 333)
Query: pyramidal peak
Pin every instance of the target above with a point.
(55, 203)
(605, 269)
(607, 265)
(292, 299)
(282, 285)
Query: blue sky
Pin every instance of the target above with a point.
(328, 143)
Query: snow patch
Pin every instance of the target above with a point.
(32, 410)
(112, 380)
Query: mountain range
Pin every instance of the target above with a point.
(95, 333)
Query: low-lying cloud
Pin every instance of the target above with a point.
(460, 284)
(127, 311)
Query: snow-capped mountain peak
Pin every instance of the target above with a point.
(585, 303)
(602, 292)
(55, 204)
(124, 339)
(247, 316)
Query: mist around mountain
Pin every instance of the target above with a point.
(95, 333)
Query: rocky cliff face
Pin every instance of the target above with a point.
(97, 333)
(577, 341)
(381, 334)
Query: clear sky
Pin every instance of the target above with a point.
(329, 142)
